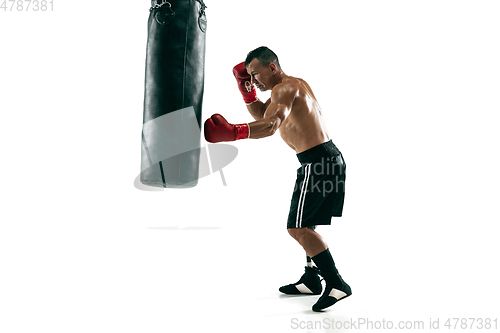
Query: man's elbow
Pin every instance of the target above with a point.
(273, 126)
(264, 128)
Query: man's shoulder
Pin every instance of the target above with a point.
(289, 85)
(292, 82)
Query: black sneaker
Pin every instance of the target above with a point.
(335, 290)
(309, 284)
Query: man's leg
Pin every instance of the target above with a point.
(308, 261)
(310, 240)
(308, 284)
(308, 258)
(316, 247)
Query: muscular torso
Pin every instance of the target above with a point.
(303, 127)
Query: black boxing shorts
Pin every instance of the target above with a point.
(320, 186)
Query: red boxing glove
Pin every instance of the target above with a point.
(217, 129)
(245, 85)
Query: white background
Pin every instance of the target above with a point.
(410, 93)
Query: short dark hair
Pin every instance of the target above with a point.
(264, 55)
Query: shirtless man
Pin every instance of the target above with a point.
(319, 189)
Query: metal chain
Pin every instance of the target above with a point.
(156, 5)
(163, 2)
(203, 6)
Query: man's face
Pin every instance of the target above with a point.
(262, 76)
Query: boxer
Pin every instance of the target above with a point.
(319, 189)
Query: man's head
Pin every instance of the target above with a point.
(263, 66)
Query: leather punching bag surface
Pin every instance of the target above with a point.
(173, 94)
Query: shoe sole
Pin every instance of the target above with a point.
(319, 310)
(304, 294)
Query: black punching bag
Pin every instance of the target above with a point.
(173, 94)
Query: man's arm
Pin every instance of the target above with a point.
(257, 109)
(217, 128)
(247, 89)
(280, 105)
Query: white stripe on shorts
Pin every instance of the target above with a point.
(302, 197)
